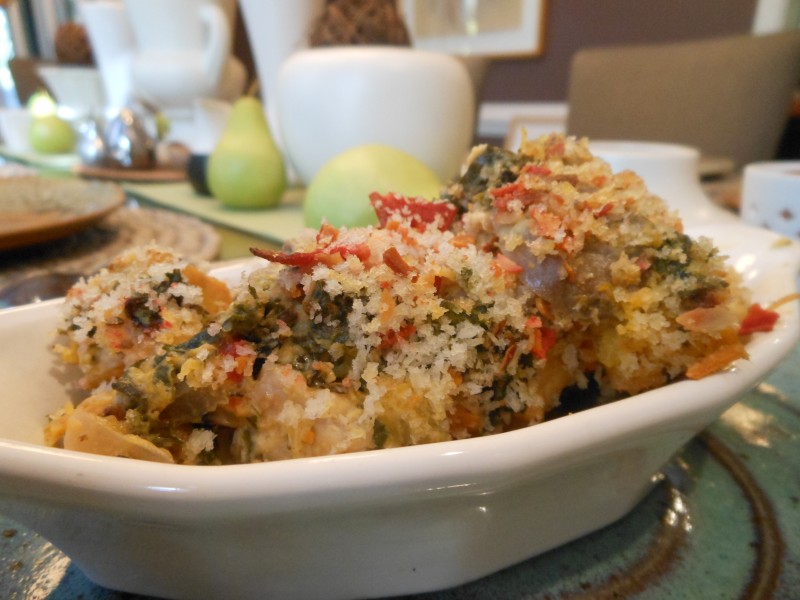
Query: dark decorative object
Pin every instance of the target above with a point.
(360, 22)
(196, 172)
(72, 45)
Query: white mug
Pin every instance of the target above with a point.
(771, 196)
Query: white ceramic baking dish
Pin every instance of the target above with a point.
(368, 524)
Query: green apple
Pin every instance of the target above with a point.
(339, 192)
(50, 134)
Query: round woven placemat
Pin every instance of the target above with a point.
(91, 249)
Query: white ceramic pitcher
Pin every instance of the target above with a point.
(276, 29)
(183, 51)
(112, 42)
(176, 55)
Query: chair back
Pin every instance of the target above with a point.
(728, 97)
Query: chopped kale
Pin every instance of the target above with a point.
(163, 371)
(379, 434)
(173, 276)
(136, 308)
(492, 168)
(258, 364)
(130, 390)
(204, 337)
(500, 386)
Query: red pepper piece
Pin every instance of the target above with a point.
(395, 262)
(507, 265)
(418, 212)
(543, 339)
(292, 259)
(505, 194)
(758, 319)
(391, 338)
(325, 256)
(607, 208)
(536, 169)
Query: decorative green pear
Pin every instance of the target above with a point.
(246, 169)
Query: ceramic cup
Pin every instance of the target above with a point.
(670, 171)
(771, 196)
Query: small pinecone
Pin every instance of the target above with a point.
(72, 45)
(360, 22)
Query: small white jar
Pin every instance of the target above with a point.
(771, 196)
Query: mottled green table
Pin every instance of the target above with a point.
(722, 522)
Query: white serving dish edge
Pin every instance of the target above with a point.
(368, 524)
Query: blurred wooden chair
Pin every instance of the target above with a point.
(27, 80)
(728, 97)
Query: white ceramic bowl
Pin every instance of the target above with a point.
(771, 196)
(367, 524)
(79, 89)
(333, 99)
(15, 126)
(670, 171)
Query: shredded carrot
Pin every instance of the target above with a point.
(716, 361)
(607, 208)
(463, 240)
(387, 306)
(508, 357)
(309, 437)
(785, 300)
(464, 419)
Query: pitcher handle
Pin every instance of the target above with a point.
(219, 40)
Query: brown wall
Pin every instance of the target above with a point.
(574, 24)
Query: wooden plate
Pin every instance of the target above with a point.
(36, 209)
(160, 175)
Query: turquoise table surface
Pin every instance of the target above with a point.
(723, 521)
